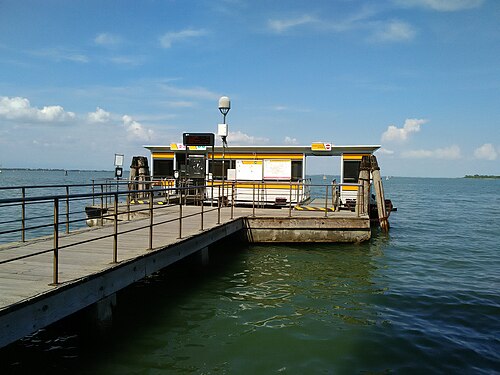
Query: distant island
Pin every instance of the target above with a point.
(480, 176)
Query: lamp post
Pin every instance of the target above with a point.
(224, 107)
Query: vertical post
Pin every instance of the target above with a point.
(232, 200)
(180, 214)
(253, 199)
(290, 201)
(212, 180)
(201, 212)
(102, 204)
(218, 207)
(326, 201)
(151, 219)
(115, 235)
(128, 206)
(55, 268)
(67, 209)
(23, 215)
(93, 192)
(379, 194)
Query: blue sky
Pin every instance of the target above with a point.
(83, 80)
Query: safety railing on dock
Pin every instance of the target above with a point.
(25, 214)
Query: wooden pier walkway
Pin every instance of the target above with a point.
(87, 273)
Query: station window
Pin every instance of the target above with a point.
(163, 168)
(215, 168)
(297, 170)
(351, 171)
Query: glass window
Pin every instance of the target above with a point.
(351, 170)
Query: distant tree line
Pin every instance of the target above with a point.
(480, 176)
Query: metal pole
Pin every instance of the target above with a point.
(212, 180)
(290, 201)
(93, 192)
(55, 268)
(218, 207)
(102, 204)
(326, 201)
(67, 209)
(151, 218)
(201, 213)
(23, 215)
(180, 214)
(115, 236)
(253, 200)
(232, 200)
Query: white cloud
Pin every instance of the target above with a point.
(167, 39)
(283, 25)
(394, 133)
(238, 138)
(290, 141)
(447, 153)
(128, 60)
(486, 152)
(18, 108)
(62, 54)
(136, 131)
(180, 104)
(107, 39)
(442, 5)
(385, 151)
(393, 31)
(196, 92)
(100, 115)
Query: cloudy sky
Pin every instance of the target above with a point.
(81, 80)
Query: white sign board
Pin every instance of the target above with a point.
(277, 169)
(249, 170)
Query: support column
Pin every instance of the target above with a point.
(103, 312)
(203, 257)
(379, 192)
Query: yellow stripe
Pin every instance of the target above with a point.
(354, 156)
(163, 155)
(349, 188)
(250, 162)
(256, 156)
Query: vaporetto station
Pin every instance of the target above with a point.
(271, 172)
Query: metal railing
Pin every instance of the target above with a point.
(107, 205)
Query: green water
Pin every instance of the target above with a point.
(424, 299)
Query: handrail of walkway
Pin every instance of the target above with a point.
(121, 207)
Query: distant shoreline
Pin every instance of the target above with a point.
(481, 176)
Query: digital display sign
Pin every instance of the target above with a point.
(198, 139)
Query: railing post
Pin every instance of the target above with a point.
(102, 204)
(128, 202)
(93, 192)
(151, 219)
(219, 200)
(67, 209)
(55, 268)
(253, 200)
(290, 201)
(180, 214)
(115, 235)
(23, 215)
(232, 200)
(201, 192)
(326, 201)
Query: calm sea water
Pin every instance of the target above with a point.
(423, 299)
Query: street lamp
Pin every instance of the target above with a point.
(224, 107)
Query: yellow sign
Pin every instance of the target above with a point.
(321, 146)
